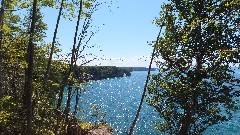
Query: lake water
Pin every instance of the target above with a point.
(119, 98)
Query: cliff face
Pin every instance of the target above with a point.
(102, 72)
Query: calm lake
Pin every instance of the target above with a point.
(118, 98)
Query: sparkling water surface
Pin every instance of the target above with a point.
(119, 99)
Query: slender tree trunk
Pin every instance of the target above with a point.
(143, 95)
(78, 92)
(60, 97)
(71, 129)
(145, 87)
(1, 42)
(67, 109)
(28, 89)
(53, 43)
(73, 59)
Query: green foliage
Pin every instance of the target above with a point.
(86, 126)
(196, 87)
(97, 113)
(14, 36)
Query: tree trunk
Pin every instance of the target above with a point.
(187, 120)
(146, 83)
(78, 92)
(73, 59)
(186, 123)
(67, 109)
(60, 97)
(1, 42)
(28, 90)
(53, 42)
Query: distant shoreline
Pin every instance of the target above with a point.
(102, 72)
(140, 68)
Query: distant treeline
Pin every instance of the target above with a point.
(140, 68)
(103, 72)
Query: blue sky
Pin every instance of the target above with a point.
(123, 38)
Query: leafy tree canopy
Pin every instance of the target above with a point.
(196, 87)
